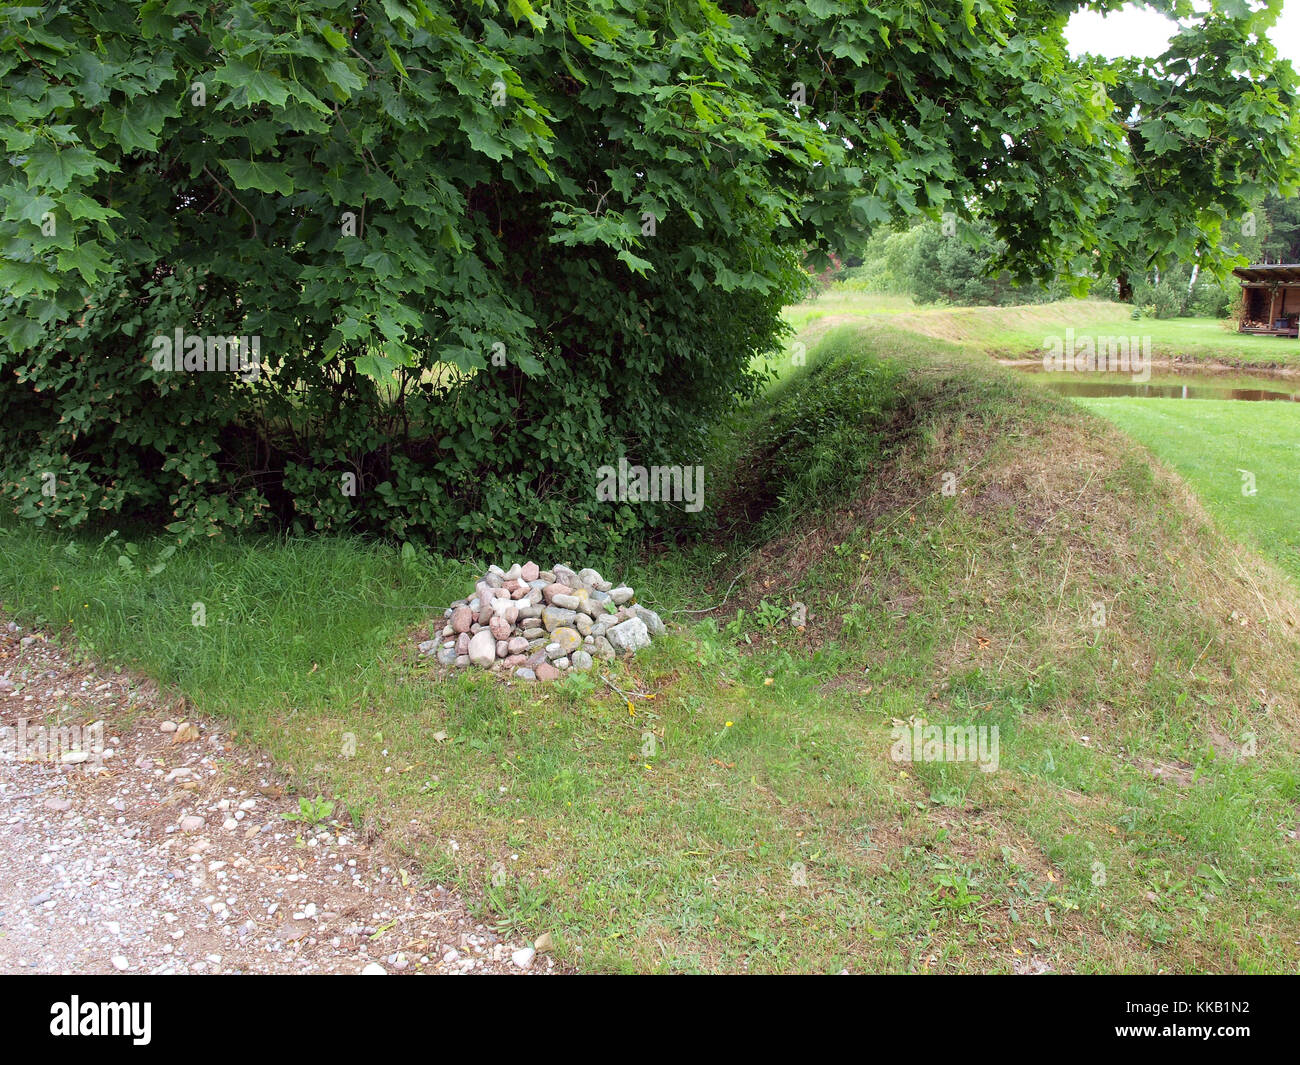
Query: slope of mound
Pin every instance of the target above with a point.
(976, 325)
(994, 555)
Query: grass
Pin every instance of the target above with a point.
(1210, 340)
(1021, 331)
(1240, 457)
(726, 801)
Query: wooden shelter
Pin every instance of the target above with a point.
(1270, 299)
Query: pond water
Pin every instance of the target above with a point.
(1170, 385)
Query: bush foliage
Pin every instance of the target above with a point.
(484, 248)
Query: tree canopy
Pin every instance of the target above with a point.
(485, 248)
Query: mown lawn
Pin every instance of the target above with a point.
(1184, 339)
(1018, 332)
(727, 800)
(1242, 458)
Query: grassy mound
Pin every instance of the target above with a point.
(971, 551)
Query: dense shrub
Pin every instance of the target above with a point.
(485, 248)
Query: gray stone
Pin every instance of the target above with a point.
(604, 648)
(568, 639)
(583, 624)
(447, 656)
(581, 661)
(561, 663)
(428, 647)
(621, 595)
(554, 617)
(630, 636)
(566, 602)
(651, 620)
(524, 673)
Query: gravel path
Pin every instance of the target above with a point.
(171, 855)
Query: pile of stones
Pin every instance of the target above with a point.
(538, 623)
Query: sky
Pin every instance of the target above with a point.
(1138, 32)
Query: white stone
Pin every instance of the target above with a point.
(483, 648)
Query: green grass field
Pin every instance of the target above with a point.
(1241, 458)
(1184, 339)
(1021, 331)
(727, 800)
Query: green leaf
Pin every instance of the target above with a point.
(375, 366)
(54, 169)
(531, 365)
(637, 264)
(336, 39)
(343, 77)
(87, 259)
(392, 58)
(136, 126)
(522, 9)
(23, 279)
(265, 177)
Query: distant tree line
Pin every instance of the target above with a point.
(945, 262)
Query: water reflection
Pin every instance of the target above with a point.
(1179, 386)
